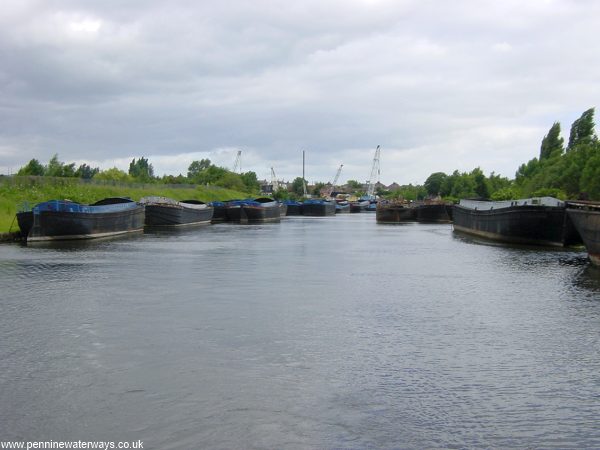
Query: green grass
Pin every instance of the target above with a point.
(17, 192)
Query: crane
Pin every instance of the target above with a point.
(337, 175)
(274, 182)
(238, 162)
(375, 169)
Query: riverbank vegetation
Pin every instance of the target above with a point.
(18, 192)
(36, 182)
(201, 172)
(570, 171)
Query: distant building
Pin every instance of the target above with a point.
(266, 187)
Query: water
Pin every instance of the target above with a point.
(313, 333)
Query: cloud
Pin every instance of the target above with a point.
(439, 86)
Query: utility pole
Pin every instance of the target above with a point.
(303, 176)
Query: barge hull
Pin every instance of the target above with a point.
(437, 213)
(259, 214)
(587, 222)
(56, 225)
(318, 209)
(532, 225)
(173, 216)
(395, 214)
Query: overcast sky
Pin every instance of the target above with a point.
(439, 85)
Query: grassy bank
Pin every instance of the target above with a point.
(17, 191)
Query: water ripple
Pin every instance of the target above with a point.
(307, 334)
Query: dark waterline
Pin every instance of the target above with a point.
(312, 333)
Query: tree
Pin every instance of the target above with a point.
(481, 188)
(552, 144)
(408, 192)
(590, 177)
(141, 170)
(461, 185)
(56, 168)
(565, 174)
(196, 167)
(113, 174)
(507, 193)
(433, 183)
(577, 162)
(526, 171)
(582, 130)
(210, 175)
(281, 194)
(382, 192)
(497, 182)
(33, 167)
(86, 172)
(354, 185)
(230, 180)
(250, 180)
(317, 188)
(298, 186)
(172, 179)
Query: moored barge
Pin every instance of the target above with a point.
(262, 209)
(434, 212)
(357, 206)
(167, 212)
(317, 207)
(395, 212)
(293, 208)
(532, 221)
(342, 206)
(233, 210)
(586, 219)
(219, 211)
(67, 220)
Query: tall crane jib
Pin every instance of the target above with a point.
(274, 182)
(238, 162)
(375, 171)
(335, 180)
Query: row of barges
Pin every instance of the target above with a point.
(66, 220)
(330, 206)
(401, 211)
(534, 221)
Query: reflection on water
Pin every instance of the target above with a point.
(586, 283)
(311, 333)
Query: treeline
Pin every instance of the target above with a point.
(453, 187)
(570, 171)
(565, 172)
(201, 172)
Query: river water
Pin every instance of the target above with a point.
(312, 333)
